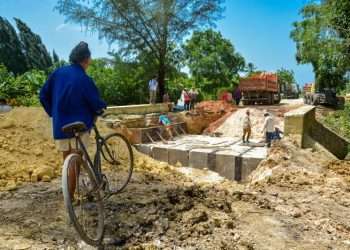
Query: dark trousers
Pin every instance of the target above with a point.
(238, 100)
(187, 105)
(269, 137)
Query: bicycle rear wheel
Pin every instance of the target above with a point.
(83, 200)
(117, 151)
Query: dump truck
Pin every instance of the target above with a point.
(260, 88)
(290, 91)
(325, 96)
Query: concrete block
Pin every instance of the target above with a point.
(178, 154)
(160, 153)
(202, 158)
(256, 152)
(251, 160)
(225, 164)
(144, 148)
(299, 122)
(239, 149)
(248, 166)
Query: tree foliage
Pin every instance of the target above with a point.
(319, 44)
(152, 26)
(55, 58)
(23, 88)
(285, 77)
(11, 54)
(212, 60)
(339, 17)
(124, 82)
(37, 56)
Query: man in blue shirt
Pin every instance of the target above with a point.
(70, 95)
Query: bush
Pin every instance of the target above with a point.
(23, 89)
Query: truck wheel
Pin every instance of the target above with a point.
(309, 100)
(315, 101)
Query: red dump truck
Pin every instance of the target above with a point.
(261, 88)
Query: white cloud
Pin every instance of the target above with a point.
(61, 26)
(66, 26)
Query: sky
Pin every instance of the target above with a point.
(258, 29)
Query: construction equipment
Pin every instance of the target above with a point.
(325, 96)
(260, 88)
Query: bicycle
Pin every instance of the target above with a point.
(84, 197)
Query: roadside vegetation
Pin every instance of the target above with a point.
(166, 39)
(339, 121)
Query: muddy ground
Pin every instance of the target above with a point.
(296, 199)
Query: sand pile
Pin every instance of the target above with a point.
(233, 125)
(26, 148)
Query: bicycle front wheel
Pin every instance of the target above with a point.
(83, 199)
(117, 151)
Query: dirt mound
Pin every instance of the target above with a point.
(288, 164)
(233, 125)
(214, 106)
(26, 148)
(340, 167)
(309, 188)
(205, 114)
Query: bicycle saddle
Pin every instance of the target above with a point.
(74, 127)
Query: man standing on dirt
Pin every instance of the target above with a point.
(153, 86)
(70, 95)
(3, 106)
(193, 95)
(247, 127)
(268, 128)
(237, 95)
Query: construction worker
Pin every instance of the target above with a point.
(268, 129)
(4, 107)
(165, 121)
(247, 127)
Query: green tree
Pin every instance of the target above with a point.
(212, 60)
(285, 77)
(320, 46)
(339, 17)
(250, 68)
(55, 58)
(37, 56)
(11, 54)
(152, 27)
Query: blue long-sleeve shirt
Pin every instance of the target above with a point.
(70, 95)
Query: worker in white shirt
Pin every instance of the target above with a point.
(247, 127)
(153, 86)
(268, 128)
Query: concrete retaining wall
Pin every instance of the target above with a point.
(301, 123)
(139, 109)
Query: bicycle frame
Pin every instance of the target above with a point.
(96, 164)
